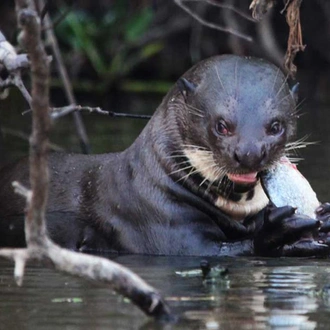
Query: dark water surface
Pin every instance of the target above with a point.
(255, 294)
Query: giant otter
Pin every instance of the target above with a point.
(189, 184)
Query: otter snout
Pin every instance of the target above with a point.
(250, 156)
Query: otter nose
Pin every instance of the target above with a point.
(250, 157)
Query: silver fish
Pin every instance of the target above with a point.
(285, 185)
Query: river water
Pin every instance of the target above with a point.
(256, 293)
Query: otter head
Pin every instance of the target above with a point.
(240, 114)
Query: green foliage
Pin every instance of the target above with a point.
(113, 43)
(138, 25)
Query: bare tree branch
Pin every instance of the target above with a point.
(39, 246)
(260, 8)
(209, 24)
(63, 111)
(226, 6)
(66, 82)
(13, 63)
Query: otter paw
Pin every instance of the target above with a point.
(282, 226)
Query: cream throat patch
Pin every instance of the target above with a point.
(244, 204)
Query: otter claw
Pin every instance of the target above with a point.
(286, 233)
(323, 214)
(306, 248)
(323, 209)
(325, 227)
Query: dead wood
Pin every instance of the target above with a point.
(295, 42)
(39, 246)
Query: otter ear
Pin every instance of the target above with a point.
(186, 87)
(294, 92)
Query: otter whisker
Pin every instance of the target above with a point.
(176, 156)
(294, 160)
(282, 86)
(236, 80)
(190, 173)
(297, 109)
(220, 80)
(276, 76)
(300, 143)
(216, 178)
(228, 187)
(220, 182)
(216, 175)
(284, 98)
(187, 175)
(181, 169)
(200, 171)
(209, 187)
(183, 163)
(194, 108)
(193, 146)
(195, 114)
(194, 111)
(292, 148)
(221, 172)
(205, 179)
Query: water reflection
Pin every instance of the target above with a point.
(255, 294)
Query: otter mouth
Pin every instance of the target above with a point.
(243, 179)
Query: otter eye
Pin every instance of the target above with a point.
(275, 128)
(222, 128)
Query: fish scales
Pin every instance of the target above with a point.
(285, 185)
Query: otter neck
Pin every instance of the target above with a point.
(236, 201)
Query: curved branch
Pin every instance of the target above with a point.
(229, 7)
(212, 25)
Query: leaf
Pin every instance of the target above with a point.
(138, 24)
(151, 50)
(82, 29)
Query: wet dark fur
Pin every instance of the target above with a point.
(144, 200)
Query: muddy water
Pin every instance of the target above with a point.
(255, 294)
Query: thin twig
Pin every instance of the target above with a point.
(23, 191)
(212, 25)
(16, 80)
(25, 137)
(260, 8)
(13, 63)
(63, 111)
(67, 84)
(226, 6)
(58, 19)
